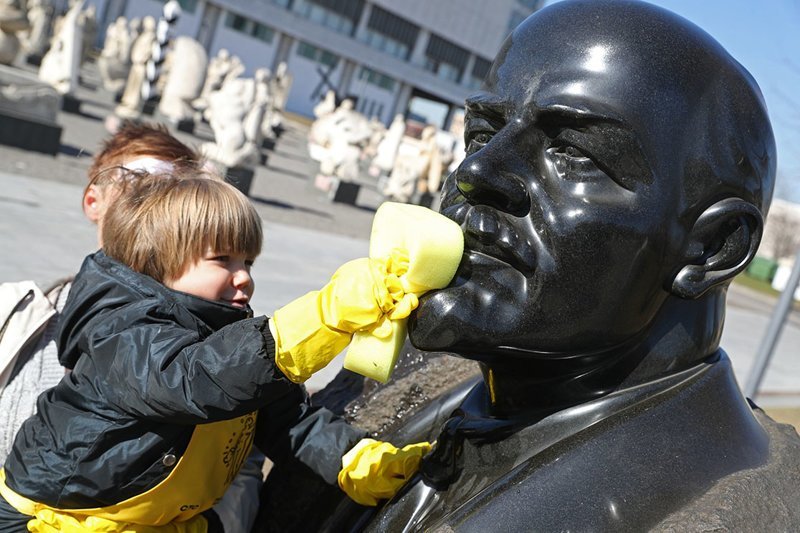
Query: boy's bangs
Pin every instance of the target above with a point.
(230, 223)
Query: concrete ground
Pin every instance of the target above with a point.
(44, 236)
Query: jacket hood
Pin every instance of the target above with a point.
(104, 284)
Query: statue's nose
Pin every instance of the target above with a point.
(487, 180)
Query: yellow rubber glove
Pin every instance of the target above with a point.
(373, 470)
(412, 250)
(310, 331)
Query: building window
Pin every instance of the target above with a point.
(376, 78)
(318, 55)
(249, 27)
(386, 44)
(479, 71)
(389, 33)
(262, 33)
(338, 15)
(445, 59)
(237, 22)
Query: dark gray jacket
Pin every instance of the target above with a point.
(149, 364)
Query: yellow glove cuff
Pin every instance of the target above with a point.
(374, 470)
(304, 344)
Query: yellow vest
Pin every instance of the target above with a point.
(212, 459)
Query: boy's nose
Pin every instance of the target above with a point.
(242, 278)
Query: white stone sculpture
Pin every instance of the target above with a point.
(89, 23)
(132, 100)
(383, 162)
(280, 86)
(326, 106)
(417, 168)
(13, 20)
(40, 17)
(235, 114)
(344, 134)
(185, 74)
(459, 148)
(61, 64)
(222, 68)
(114, 62)
(135, 30)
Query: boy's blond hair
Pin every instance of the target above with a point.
(162, 224)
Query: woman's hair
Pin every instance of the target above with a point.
(161, 224)
(137, 141)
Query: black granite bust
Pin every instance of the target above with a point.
(619, 166)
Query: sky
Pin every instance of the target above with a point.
(764, 36)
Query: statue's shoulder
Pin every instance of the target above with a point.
(766, 498)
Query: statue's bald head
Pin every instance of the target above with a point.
(697, 113)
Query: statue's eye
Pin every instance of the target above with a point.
(477, 141)
(570, 163)
(482, 137)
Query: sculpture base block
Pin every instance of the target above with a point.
(241, 178)
(186, 126)
(34, 59)
(149, 107)
(268, 144)
(29, 133)
(344, 192)
(424, 199)
(70, 104)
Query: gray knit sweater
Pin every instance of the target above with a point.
(36, 370)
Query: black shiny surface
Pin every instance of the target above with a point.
(619, 165)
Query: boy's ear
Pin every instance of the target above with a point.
(93, 205)
(720, 244)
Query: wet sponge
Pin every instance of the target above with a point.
(429, 247)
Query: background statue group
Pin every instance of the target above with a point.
(346, 143)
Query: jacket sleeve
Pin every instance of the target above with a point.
(291, 429)
(154, 368)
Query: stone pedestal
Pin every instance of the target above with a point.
(240, 177)
(149, 107)
(344, 192)
(34, 59)
(425, 199)
(29, 133)
(186, 126)
(70, 104)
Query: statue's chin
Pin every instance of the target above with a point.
(433, 326)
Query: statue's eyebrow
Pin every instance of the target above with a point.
(611, 141)
(487, 104)
(565, 114)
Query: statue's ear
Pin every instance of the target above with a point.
(721, 243)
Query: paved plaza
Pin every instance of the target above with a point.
(44, 235)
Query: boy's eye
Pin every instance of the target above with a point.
(220, 258)
(249, 262)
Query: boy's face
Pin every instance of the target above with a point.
(223, 278)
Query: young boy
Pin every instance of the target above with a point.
(173, 378)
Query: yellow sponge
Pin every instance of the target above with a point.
(433, 245)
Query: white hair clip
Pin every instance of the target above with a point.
(150, 165)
